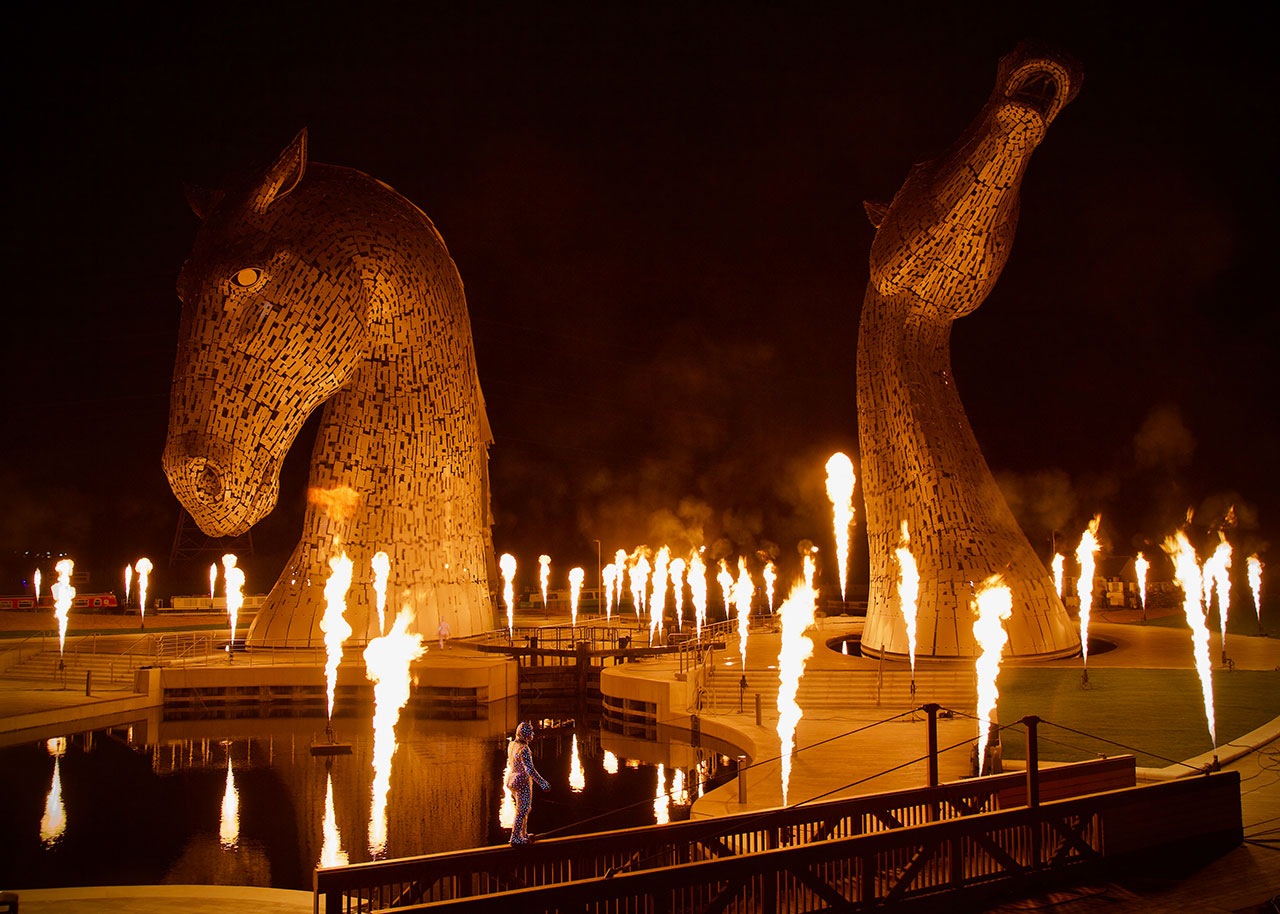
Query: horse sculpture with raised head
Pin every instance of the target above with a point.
(319, 284)
(938, 250)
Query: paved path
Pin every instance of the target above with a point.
(164, 899)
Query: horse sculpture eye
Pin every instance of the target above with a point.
(247, 277)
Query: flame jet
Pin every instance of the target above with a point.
(1085, 555)
(508, 566)
(544, 575)
(620, 565)
(938, 250)
(386, 663)
(840, 483)
(575, 590)
(676, 569)
(770, 575)
(995, 606)
(725, 579)
(698, 589)
(1059, 571)
(607, 578)
(798, 613)
(35, 579)
(658, 599)
(1255, 584)
(143, 568)
(1140, 566)
(213, 579)
(381, 564)
(1186, 574)
(908, 592)
(128, 582)
(335, 626)
(63, 594)
(743, 591)
(639, 578)
(233, 583)
(1217, 578)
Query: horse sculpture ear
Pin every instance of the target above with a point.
(875, 211)
(283, 176)
(202, 200)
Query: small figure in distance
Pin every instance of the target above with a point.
(443, 632)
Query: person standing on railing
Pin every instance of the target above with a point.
(520, 779)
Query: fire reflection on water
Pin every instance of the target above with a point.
(256, 808)
(661, 801)
(577, 779)
(229, 827)
(331, 852)
(54, 822)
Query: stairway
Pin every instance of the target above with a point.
(105, 667)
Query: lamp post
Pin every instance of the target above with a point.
(599, 579)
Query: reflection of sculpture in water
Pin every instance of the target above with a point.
(316, 285)
(938, 250)
(521, 776)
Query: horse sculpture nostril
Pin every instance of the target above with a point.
(209, 482)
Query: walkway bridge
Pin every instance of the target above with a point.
(979, 837)
(559, 665)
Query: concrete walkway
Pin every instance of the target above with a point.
(164, 899)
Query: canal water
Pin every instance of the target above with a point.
(151, 802)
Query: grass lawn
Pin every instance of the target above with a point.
(1158, 712)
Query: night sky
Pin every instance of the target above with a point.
(657, 214)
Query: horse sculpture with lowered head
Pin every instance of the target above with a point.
(321, 285)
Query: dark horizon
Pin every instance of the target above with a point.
(657, 216)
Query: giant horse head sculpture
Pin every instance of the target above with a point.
(320, 285)
(938, 250)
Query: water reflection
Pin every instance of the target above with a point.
(679, 795)
(577, 780)
(331, 852)
(241, 801)
(387, 660)
(507, 811)
(229, 827)
(661, 802)
(54, 822)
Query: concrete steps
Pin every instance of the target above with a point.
(104, 667)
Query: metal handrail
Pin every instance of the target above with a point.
(929, 861)
(435, 877)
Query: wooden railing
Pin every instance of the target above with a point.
(488, 871)
(966, 856)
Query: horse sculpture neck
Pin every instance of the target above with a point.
(408, 433)
(937, 254)
(358, 305)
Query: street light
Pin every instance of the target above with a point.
(599, 579)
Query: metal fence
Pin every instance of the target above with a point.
(463, 874)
